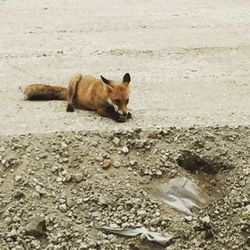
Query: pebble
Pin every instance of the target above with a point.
(16, 219)
(18, 178)
(62, 207)
(118, 197)
(116, 141)
(142, 213)
(36, 226)
(99, 158)
(206, 219)
(116, 164)
(106, 164)
(125, 150)
(77, 177)
(18, 194)
(8, 220)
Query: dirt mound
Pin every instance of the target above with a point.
(73, 183)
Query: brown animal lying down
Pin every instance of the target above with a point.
(108, 98)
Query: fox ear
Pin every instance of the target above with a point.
(106, 81)
(126, 78)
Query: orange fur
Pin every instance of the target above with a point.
(106, 97)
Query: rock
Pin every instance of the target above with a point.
(50, 247)
(99, 158)
(116, 141)
(35, 195)
(141, 213)
(116, 164)
(158, 173)
(248, 208)
(8, 220)
(77, 177)
(106, 164)
(18, 248)
(18, 178)
(125, 150)
(206, 219)
(70, 203)
(62, 207)
(13, 234)
(64, 145)
(83, 246)
(18, 194)
(36, 226)
(16, 219)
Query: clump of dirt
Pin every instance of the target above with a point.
(60, 179)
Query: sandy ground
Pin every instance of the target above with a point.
(189, 60)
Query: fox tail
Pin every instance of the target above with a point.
(45, 92)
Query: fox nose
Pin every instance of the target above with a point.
(125, 114)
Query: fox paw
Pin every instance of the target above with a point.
(129, 115)
(69, 108)
(121, 119)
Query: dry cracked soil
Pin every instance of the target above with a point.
(65, 176)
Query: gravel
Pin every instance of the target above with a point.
(57, 189)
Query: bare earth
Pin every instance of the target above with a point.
(189, 60)
(190, 99)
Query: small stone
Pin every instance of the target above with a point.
(62, 207)
(141, 213)
(116, 141)
(125, 150)
(77, 177)
(18, 178)
(16, 219)
(13, 234)
(83, 246)
(158, 173)
(206, 219)
(36, 226)
(50, 247)
(8, 220)
(39, 189)
(35, 194)
(106, 164)
(18, 248)
(64, 145)
(248, 208)
(116, 164)
(70, 203)
(18, 194)
(173, 173)
(242, 183)
(99, 158)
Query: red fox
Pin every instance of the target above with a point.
(106, 97)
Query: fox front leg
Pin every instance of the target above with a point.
(110, 112)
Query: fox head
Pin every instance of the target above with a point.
(118, 94)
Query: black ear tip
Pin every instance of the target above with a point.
(104, 80)
(126, 77)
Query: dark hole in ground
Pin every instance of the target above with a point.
(193, 162)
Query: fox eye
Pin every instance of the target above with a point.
(127, 100)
